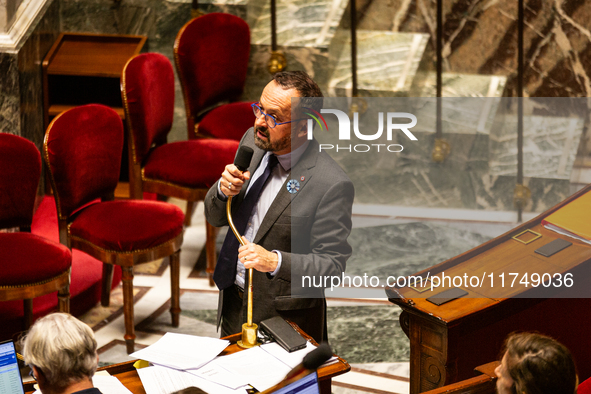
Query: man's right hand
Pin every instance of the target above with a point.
(232, 180)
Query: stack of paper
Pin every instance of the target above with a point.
(183, 361)
(182, 351)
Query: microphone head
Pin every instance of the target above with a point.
(317, 357)
(243, 157)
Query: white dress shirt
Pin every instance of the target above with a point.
(276, 180)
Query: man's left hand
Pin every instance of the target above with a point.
(257, 257)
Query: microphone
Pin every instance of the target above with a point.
(243, 157)
(309, 364)
(312, 360)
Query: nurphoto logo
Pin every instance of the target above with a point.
(344, 122)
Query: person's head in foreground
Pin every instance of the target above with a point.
(535, 364)
(61, 351)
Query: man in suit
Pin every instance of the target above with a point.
(297, 224)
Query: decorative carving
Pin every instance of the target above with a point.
(433, 371)
(405, 323)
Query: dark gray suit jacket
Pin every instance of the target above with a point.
(310, 228)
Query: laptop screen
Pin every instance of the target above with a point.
(306, 385)
(10, 376)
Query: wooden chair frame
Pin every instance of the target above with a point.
(139, 183)
(126, 260)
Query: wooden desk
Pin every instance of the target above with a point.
(484, 383)
(82, 68)
(447, 341)
(128, 375)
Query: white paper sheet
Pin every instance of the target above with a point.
(162, 380)
(290, 359)
(259, 368)
(182, 351)
(215, 373)
(294, 358)
(109, 384)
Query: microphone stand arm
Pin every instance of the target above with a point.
(249, 329)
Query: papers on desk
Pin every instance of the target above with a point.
(162, 380)
(255, 367)
(181, 351)
(294, 358)
(109, 384)
(261, 367)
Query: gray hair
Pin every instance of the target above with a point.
(63, 348)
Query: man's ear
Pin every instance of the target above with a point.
(302, 130)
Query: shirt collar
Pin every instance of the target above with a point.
(290, 159)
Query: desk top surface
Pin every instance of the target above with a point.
(500, 265)
(127, 374)
(98, 55)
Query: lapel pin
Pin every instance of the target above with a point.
(293, 186)
(302, 178)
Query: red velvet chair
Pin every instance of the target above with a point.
(584, 387)
(32, 266)
(211, 55)
(183, 169)
(82, 151)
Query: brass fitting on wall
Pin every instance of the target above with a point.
(521, 196)
(277, 62)
(358, 105)
(440, 151)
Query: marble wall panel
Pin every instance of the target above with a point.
(30, 58)
(11, 8)
(9, 94)
(387, 64)
(21, 100)
(481, 38)
(3, 17)
(301, 23)
(549, 146)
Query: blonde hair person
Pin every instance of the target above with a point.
(61, 351)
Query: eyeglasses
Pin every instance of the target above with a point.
(271, 121)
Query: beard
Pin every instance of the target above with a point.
(267, 145)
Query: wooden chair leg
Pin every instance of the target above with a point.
(107, 281)
(189, 213)
(28, 317)
(63, 299)
(210, 253)
(128, 308)
(175, 289)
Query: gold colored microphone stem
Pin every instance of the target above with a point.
(249, 329)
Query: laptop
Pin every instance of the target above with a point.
(306, 385)
(10, 375)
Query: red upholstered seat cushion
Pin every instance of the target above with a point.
(584, 387)
(85, 284)
(228, 121)
(125, 226)
(29, 258)
(194, 164)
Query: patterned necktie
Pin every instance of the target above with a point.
(225, 269)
